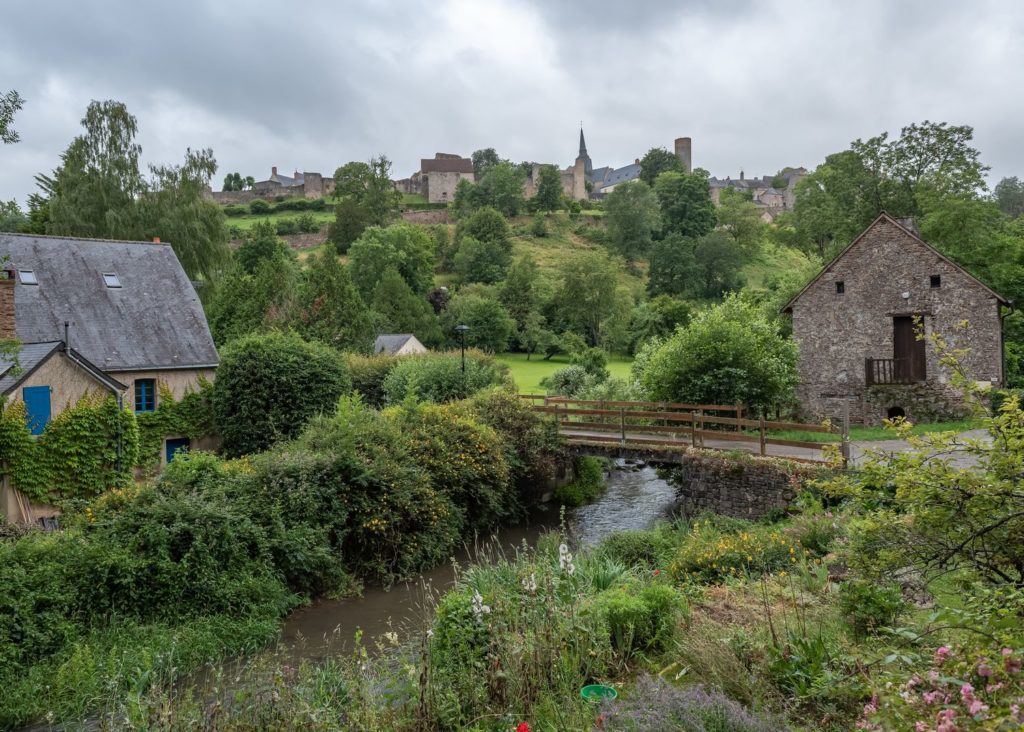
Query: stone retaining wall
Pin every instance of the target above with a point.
(744, 487)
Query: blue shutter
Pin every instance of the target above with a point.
(145, 395)
(37, 406)
(175, 446)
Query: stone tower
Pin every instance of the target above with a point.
(684, 151)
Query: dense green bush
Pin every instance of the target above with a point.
(286, 226)
(268, 386)
(868, 606)
(235, 209)
(638, 618)
(644, 549)
(728, 354)
(260, 207)
(463, 458)
(533, 448)
(588, 484)
(438, 377)
(368, 374)
(570, 381)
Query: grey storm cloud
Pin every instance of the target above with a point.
(311, 85)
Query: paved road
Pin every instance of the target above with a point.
(858, 450)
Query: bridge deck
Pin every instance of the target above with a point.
(637, 440)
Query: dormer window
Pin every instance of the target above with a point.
(840, 287)
(28, 276)
(110, 280)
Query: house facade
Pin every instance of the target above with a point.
(100, 315)
(864, 326)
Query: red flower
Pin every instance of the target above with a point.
(523, 727)
(657, 572)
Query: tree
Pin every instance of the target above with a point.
(269, 385)
(587, 297)
(658, 160)
(93, 192)
(836, 202)
(719, 260)
(403, 311)
(490, 325)
(11, 217)
(259, 245)
(174, 209)
(502, 188)
(658, 318)
(351, 180)
(728, 354)
(484, 160)
(350, 221)
(549, 189)
(233, 182)
(1009, 195)
(685, 200)
(519, 291)
(739, 218)
(10, 102)
(329, 309)
(632, 216)
(673, 267)
(486, 224)
(405, 247)
(483, 246)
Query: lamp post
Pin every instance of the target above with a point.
(461, 330)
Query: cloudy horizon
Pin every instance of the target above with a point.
(757, 86)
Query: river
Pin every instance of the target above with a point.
(635, 499)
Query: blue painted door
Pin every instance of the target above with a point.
(37, 406)
(175, 446)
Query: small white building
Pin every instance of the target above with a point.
(402, 344)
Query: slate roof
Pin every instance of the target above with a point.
(153, 321)
(620, 175)
(33, 355)
(446, 165)
(391, 344)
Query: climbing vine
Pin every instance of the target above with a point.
(191, 417)
(84, 451)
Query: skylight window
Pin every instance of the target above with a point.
(28, 276)
(111, 280)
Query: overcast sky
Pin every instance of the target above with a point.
(311, 85)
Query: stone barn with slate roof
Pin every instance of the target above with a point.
(864, 326)
(113, 314)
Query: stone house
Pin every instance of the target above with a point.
(403, 344)
(864, 328)
(438, 177)
(100, 315)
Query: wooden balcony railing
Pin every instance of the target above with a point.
(891, 371)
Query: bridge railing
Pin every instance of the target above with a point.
(669, 424)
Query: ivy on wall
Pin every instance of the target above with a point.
(191, 417)
(84, 451)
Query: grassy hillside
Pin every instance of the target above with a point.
(773, 261)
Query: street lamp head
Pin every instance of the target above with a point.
(461, 328)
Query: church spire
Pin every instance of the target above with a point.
(583, 144)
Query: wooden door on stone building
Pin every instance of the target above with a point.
(908, 351)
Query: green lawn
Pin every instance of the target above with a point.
(861, 433)
(529, 373)
(248, 221)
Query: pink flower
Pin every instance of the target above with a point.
(1007, 651)
(967, 693)
(1011, 664)
(993, 688)
(1015, 713)
(984, 670)
(930, 697)
(872, 706)
(945, 719)
(977, 707)
(933, 675)
(941, 653)
(921, 727)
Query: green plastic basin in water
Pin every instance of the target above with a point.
(595, 693)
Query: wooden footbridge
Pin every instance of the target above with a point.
(657, 428)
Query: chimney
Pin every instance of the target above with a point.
(67, 334)
(156, 239)
(273, 172)
(741, 173)
(684, 151)
(8, 324)
(636, 161)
